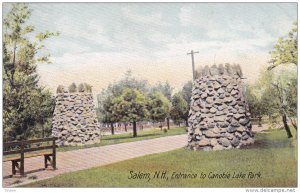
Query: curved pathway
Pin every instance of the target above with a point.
(97, 156)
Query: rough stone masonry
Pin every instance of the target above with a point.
(218, 118)
(74, 120)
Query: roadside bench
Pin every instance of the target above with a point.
(22, 147)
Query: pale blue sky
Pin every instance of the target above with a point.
(100, 41)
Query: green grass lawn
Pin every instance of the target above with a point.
(273, 156)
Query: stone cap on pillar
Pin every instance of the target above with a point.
(72, 88)
(233, 70)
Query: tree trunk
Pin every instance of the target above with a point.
(168, 123)
(179, 124)
(186, 122)
(294, 123)
(259, 121)
(286, 126)
(125, 125)
(112, 128)
(134, 129)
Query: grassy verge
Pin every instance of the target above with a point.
(273, 158)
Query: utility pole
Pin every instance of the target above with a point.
(193, 65)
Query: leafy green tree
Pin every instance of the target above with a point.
(179, 108)
(158, 107)
(255, 102)
(291, 100)
(286, 50)
(105, 109)
(276, 95)
(115, 90)
(187, 94)
(128, 81)
(24, 101)
(165, 88)
(130, 106)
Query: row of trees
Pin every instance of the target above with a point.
(27, 106)
(275, 92)
(131, 100)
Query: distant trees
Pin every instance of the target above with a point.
(105, 109)
(179, 108)
(187, 94)
(165, 88)
(130, 107)
(131, 100)
(111, 110)
(26, 105)
(123, 100)
(158, 107)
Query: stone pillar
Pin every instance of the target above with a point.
(218, 116)
(74, 120)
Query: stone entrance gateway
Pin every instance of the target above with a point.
(74, 119)
(219, 117)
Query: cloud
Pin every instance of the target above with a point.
(149, 19)
(98, 50)
(185, 16)
(91, 31)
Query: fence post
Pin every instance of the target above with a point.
(22, 173)
(54, 154)
(259, 121)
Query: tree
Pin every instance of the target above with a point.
(105, 109)
(291, 99)
(286, 50)
(128, 81)
(164, 88)
(131, 107)
(24, 101)
(114, 90)
(257, 106)
(187, 95)
(179, 108)
(158, 107)
(276, 93)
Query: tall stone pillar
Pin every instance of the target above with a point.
(219, 117)
(74, 121)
